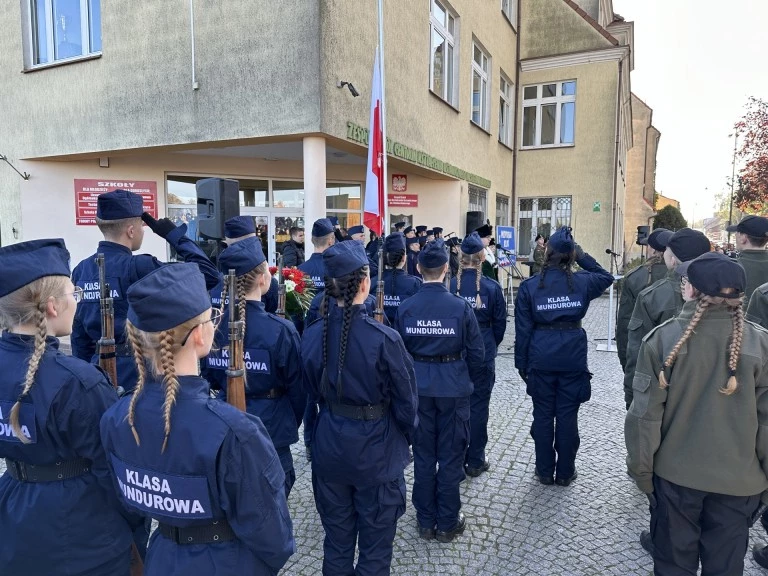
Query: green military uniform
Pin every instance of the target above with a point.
(755, 262)
(637, 280)
(539, 257)
(672, 432)
(757, 310)
(655, 304)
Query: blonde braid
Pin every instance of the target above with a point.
(458, 275)
(478, 275)
(34, 363)
(170, 381)
(243, 283)
(701, 307)
(737, 335)
(134, 338)
(223, 295)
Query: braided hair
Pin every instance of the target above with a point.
(554, 260)
(471, 262)
(393, 260)
(344, 288)
(27, 305)
(648, 265)
(703, 304)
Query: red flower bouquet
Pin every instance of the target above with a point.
(299, 291)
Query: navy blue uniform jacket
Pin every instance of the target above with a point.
(315, 269)
(122, 270)
(377, 369)
(269, 299)
(71, 526)
(272, 359)
(398, 286)
(556, 350)
(219, 464)
(314, 308)
(492, 313)
(434, 322)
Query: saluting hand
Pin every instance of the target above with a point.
(161, 227)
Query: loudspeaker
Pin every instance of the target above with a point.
(642, 235)
(474, 220)
(218, 200)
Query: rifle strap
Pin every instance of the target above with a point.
(107, 355)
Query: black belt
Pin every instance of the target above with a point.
(64, 470)
(558, 326)
(484, 324)
(369, 412)
(217, 531)
(436, 359)
(271, 394)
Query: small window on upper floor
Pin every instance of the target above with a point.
(63, 29)
(505, 110)
(481, 81)
(549, 115)
(509, 9)
(444, 50)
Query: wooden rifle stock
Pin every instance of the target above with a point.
(106, 343)
(280, 288)
(235, 367)
(378, 314)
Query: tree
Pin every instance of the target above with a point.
(670, 218)
(752, 193)
(173, 199)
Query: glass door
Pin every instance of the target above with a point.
(263, 230)
(281, 226)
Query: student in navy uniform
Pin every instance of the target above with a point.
(413, 247)
(399, 226)
(272, 354)
(453, 255)
(421, 231)
(551, 351)
(205, 471)
(322, 239)
(363, 378)
(59, 512)
(119, 215)
(438, 232)
(398, 285)
(487, 300)
(409, 232)
(441, 334)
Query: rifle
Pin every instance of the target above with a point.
(280, 288)
(378, 314)
(235, 368)
(106, 343)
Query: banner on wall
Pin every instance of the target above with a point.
(403, 200)
(87, 194)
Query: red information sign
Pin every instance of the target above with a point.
(404, 200)
(87, 193)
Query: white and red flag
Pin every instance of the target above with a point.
(374, 208)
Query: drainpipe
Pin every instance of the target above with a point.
(514, 125)
(616, 157)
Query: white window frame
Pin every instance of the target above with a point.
(450, 86)
(478, 200)
(558, 100)
(485, 79)
(502, 210)
(509, 9)
(50, 43)
(506, 90)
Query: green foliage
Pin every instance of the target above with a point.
(670, 218)
(752, 192)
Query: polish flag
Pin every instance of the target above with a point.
(373, 210)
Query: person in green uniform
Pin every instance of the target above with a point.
(539, 255)
(757, 310)
(697, 430)
(636, 280)
(751, 238)
(661, 300)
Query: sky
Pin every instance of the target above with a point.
(696, 64)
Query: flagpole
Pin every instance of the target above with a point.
(385, 208)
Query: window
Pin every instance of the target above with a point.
(502, 210)
(478, 201)
(509, 9)
(443, 66)
(541, 216)
(549, 114)
(505, 111)
(481, 65)
(63, 29)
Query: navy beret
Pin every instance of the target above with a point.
(484, 231)
(355, 230)
(167, 297)
(421, 228)
(562, 241)
(433, 255)
(453, 242)
(239, 226)
(399, 225)
(756, 226)
(25, 262)
(711, 273)
(334, 220)
(687, 244)
(394, 242)
(243, 256)
(430, 232)
(413, 240)
(422, 240)
(322, 227)
(472, 244)
(408, 229)
(118, 205)
(343, 258)
(437, 230)
(659, 238)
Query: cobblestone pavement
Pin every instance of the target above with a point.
(515, 526)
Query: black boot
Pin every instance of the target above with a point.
(446, 537)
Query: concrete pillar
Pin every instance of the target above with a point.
(314, 186)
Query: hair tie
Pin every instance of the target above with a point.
(732, 373)
(21, 396)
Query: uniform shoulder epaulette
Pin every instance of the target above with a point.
(757, 325)
(237, 421)
(634, 270)
(89, 375)
(651, 288)
(763, 289)
(277, 318)
(657, 328)
(388, 331)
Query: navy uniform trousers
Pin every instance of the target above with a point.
(689, 525)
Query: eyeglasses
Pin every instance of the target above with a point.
(215, 319)
(77, 294)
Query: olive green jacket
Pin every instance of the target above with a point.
(636, 280)
(656, 304)
(757, 311)
(691, 434)
(539, 256)
(755, 262)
